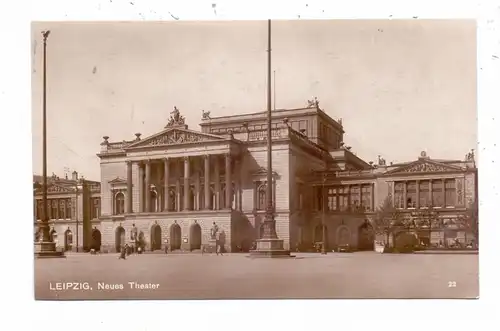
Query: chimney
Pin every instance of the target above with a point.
(74, 175)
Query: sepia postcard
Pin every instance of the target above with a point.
(298, 159)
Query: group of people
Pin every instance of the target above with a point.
(137, 244)
(218, 237)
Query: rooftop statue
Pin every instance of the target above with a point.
(176, 118)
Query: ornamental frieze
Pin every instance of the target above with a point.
(425, 167)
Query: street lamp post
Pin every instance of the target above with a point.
(323, 224)
(269, 245)
(45, 248)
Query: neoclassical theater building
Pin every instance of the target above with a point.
(174, 184)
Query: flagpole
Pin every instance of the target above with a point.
(269, 245)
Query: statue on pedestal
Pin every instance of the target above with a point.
(214, 231)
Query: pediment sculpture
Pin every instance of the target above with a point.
(425, 167)
(176, 118)
(176, 137)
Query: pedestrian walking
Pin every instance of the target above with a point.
(123, 252)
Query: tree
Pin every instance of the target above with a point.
(427, 219)
(470, 220)
(387, 219)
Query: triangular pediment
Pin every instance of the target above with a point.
(118, 180)
(424, 166)
(175, 136)
(262, 172)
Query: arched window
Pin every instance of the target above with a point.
(154, 202)
(173, 200)
(119, 203)
(261, 197)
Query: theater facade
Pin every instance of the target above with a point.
(173, 185)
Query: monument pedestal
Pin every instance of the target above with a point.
(270, 248)
(212, 246)
(47, 249)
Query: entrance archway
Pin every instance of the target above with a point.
(366, 237)
(119, 238)
(343, 236)
(318, 233)
(195, 236)
(96, 239)
(68, 240)
(175, 237)
(155, 237)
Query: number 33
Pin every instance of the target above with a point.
(452, 284)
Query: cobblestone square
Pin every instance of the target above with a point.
(235, 276)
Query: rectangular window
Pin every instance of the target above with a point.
(54, 208)
(424, 194)
(450, 193)
(366, 197)
(398, 195)
(437, 193)
(354, 194)
(62, 209)
(95, 208)
(332, 198)
(411, 194)
(68, 209)
(343, 198)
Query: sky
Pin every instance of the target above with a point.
(400, 86)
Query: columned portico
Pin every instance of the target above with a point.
(174, 184)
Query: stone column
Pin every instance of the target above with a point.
(186, 183)
(229, 182)
(372, 198)
(405, 205)
(129, 187)
(178, 187)
(166, 176)
(148, 187)
(141, 187)
(197, 195)
(217, 183)
(208, 201)
(237, 183)
(361, 196)
(417, 203)
(430, 194)
(444, 193)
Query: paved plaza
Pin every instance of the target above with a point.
(235, 276)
